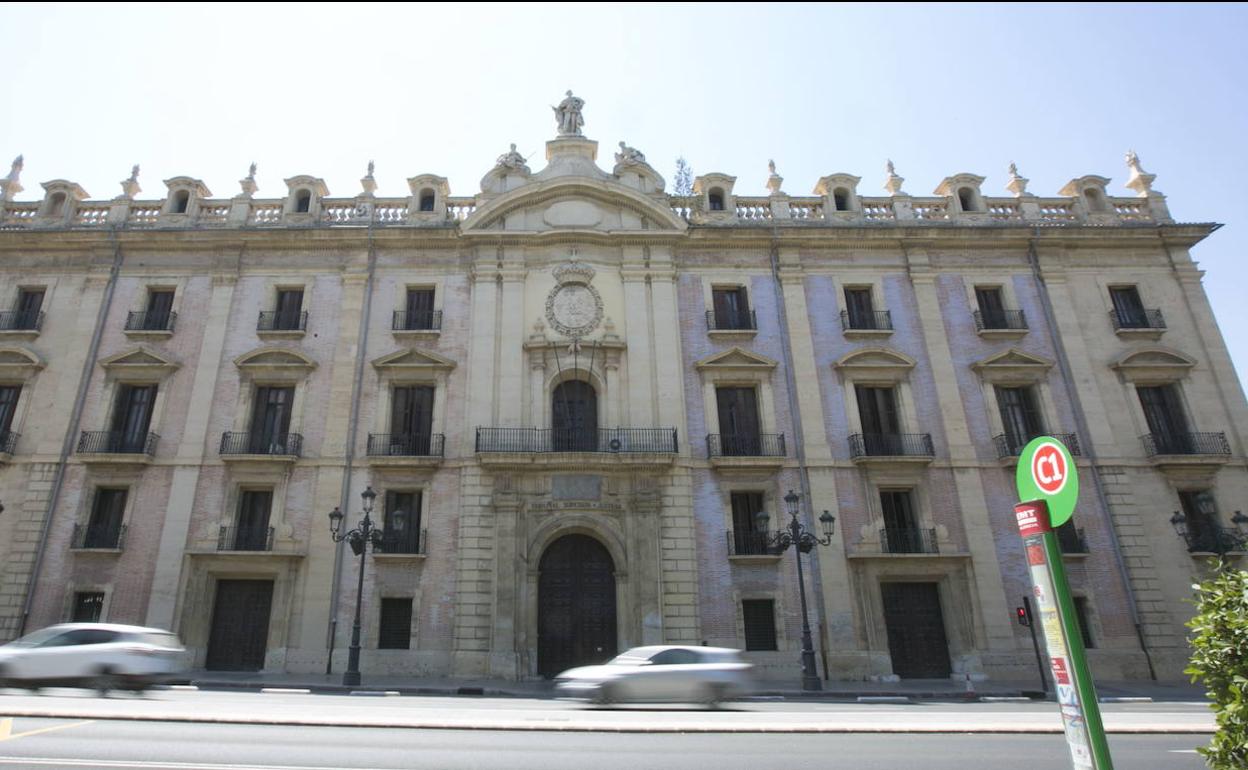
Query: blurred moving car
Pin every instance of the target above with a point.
(706, 675)
(103, 656)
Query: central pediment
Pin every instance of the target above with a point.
(574, 203)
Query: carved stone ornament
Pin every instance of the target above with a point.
(574, 307)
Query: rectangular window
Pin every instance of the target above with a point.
(104, 526)
(861, 311)
(991, 307)
(419, 309)
(877, 411)
(731, 308)
(1128, 308)
(901, 526)
(132, 416)
(159, 309)
(9, 394)
(88, 606)
(1163, 411)
(738, 422)
(1020, 416)
(1070, 538)
(1081, 612)
(26, 308)
(760, 624)
(396, 625)
(747, 539)
(401, 522)
(411, 420)
(270, 420)
(255, 506)
(289, 310)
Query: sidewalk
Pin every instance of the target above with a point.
(919, 689)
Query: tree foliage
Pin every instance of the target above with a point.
(683, 181)
(1220, 661)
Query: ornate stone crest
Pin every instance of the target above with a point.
(574, 307)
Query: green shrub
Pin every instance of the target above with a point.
(1220, 660)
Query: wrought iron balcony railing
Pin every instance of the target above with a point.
(20, 320)
(742, 543)
(398, 445)
(243, 443)
(1012, 447)
(116, 443)
(877, 320)
(245, 539)
(8, 442)
(1000, 319)
(609, 440)
(1185, 444)
(139, 321)
(891, 445)
(745, 445)
(107, 537)
(1137, 319)
(1214, 538)
(429, 320)
(277, 321)
(908, 541)
(406, 542)
(724, 322)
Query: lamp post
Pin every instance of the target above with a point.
(797, 535)
(359, 538)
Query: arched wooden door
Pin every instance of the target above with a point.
(575, 605)
(574, 414)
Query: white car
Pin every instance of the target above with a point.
(104, 656)
(707, 675)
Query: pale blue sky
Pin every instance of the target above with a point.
(321, 89)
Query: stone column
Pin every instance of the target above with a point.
(481, 401)
(508, 574)
(510, 374)
(640, 411)
(805, 373)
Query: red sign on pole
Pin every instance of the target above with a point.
(1033, 519)
(1048, 469)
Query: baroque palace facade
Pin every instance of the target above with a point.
(573, 392)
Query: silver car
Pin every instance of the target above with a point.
(706, 675)
(104, 656)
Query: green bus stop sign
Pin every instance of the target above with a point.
(1047, 472)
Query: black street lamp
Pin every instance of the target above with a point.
(1211, 536)
(358, 538)
(797, 535)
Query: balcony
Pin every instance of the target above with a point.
(1208, 444)
(1214, 538)
(549, 446)
(417, 323)
(872, 323)
(906, 447)
(731, 324)
(401, 544)
(8, 444)
(20, 323)
(274, 323)
(1000, 323)
(142, 324)
(398, 449)
(761, 450)
(1008, 449)
(245, 539)
(1138, 323)
(281, 447)
(903, 541)
(751, 547)
(110, 446)
(98, 538)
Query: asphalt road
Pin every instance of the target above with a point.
(64, 744)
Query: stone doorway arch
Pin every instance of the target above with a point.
(576, 605)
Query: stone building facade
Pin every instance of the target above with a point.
(573, 391)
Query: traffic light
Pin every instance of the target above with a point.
(1021, 614)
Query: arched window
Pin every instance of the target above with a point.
(56, 206)
(966, 196)
(574, 417)
(303, 202)
(181, 199)
(426, 200)
(1094, 199)
(716, 199)
(840, 198)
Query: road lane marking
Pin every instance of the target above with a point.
(11, 736)
(122, 764)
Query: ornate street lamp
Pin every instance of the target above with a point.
(359, 538)
(797, 535)
(1212, 536)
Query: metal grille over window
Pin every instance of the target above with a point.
(760, 624)
(396, 625)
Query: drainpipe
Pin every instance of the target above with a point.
(67, 445)
(1081, 423)
(344, 500)
(799, 442)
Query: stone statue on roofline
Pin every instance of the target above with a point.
(511, 159)
(629, 156)
(11, 184)
(568, 115)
